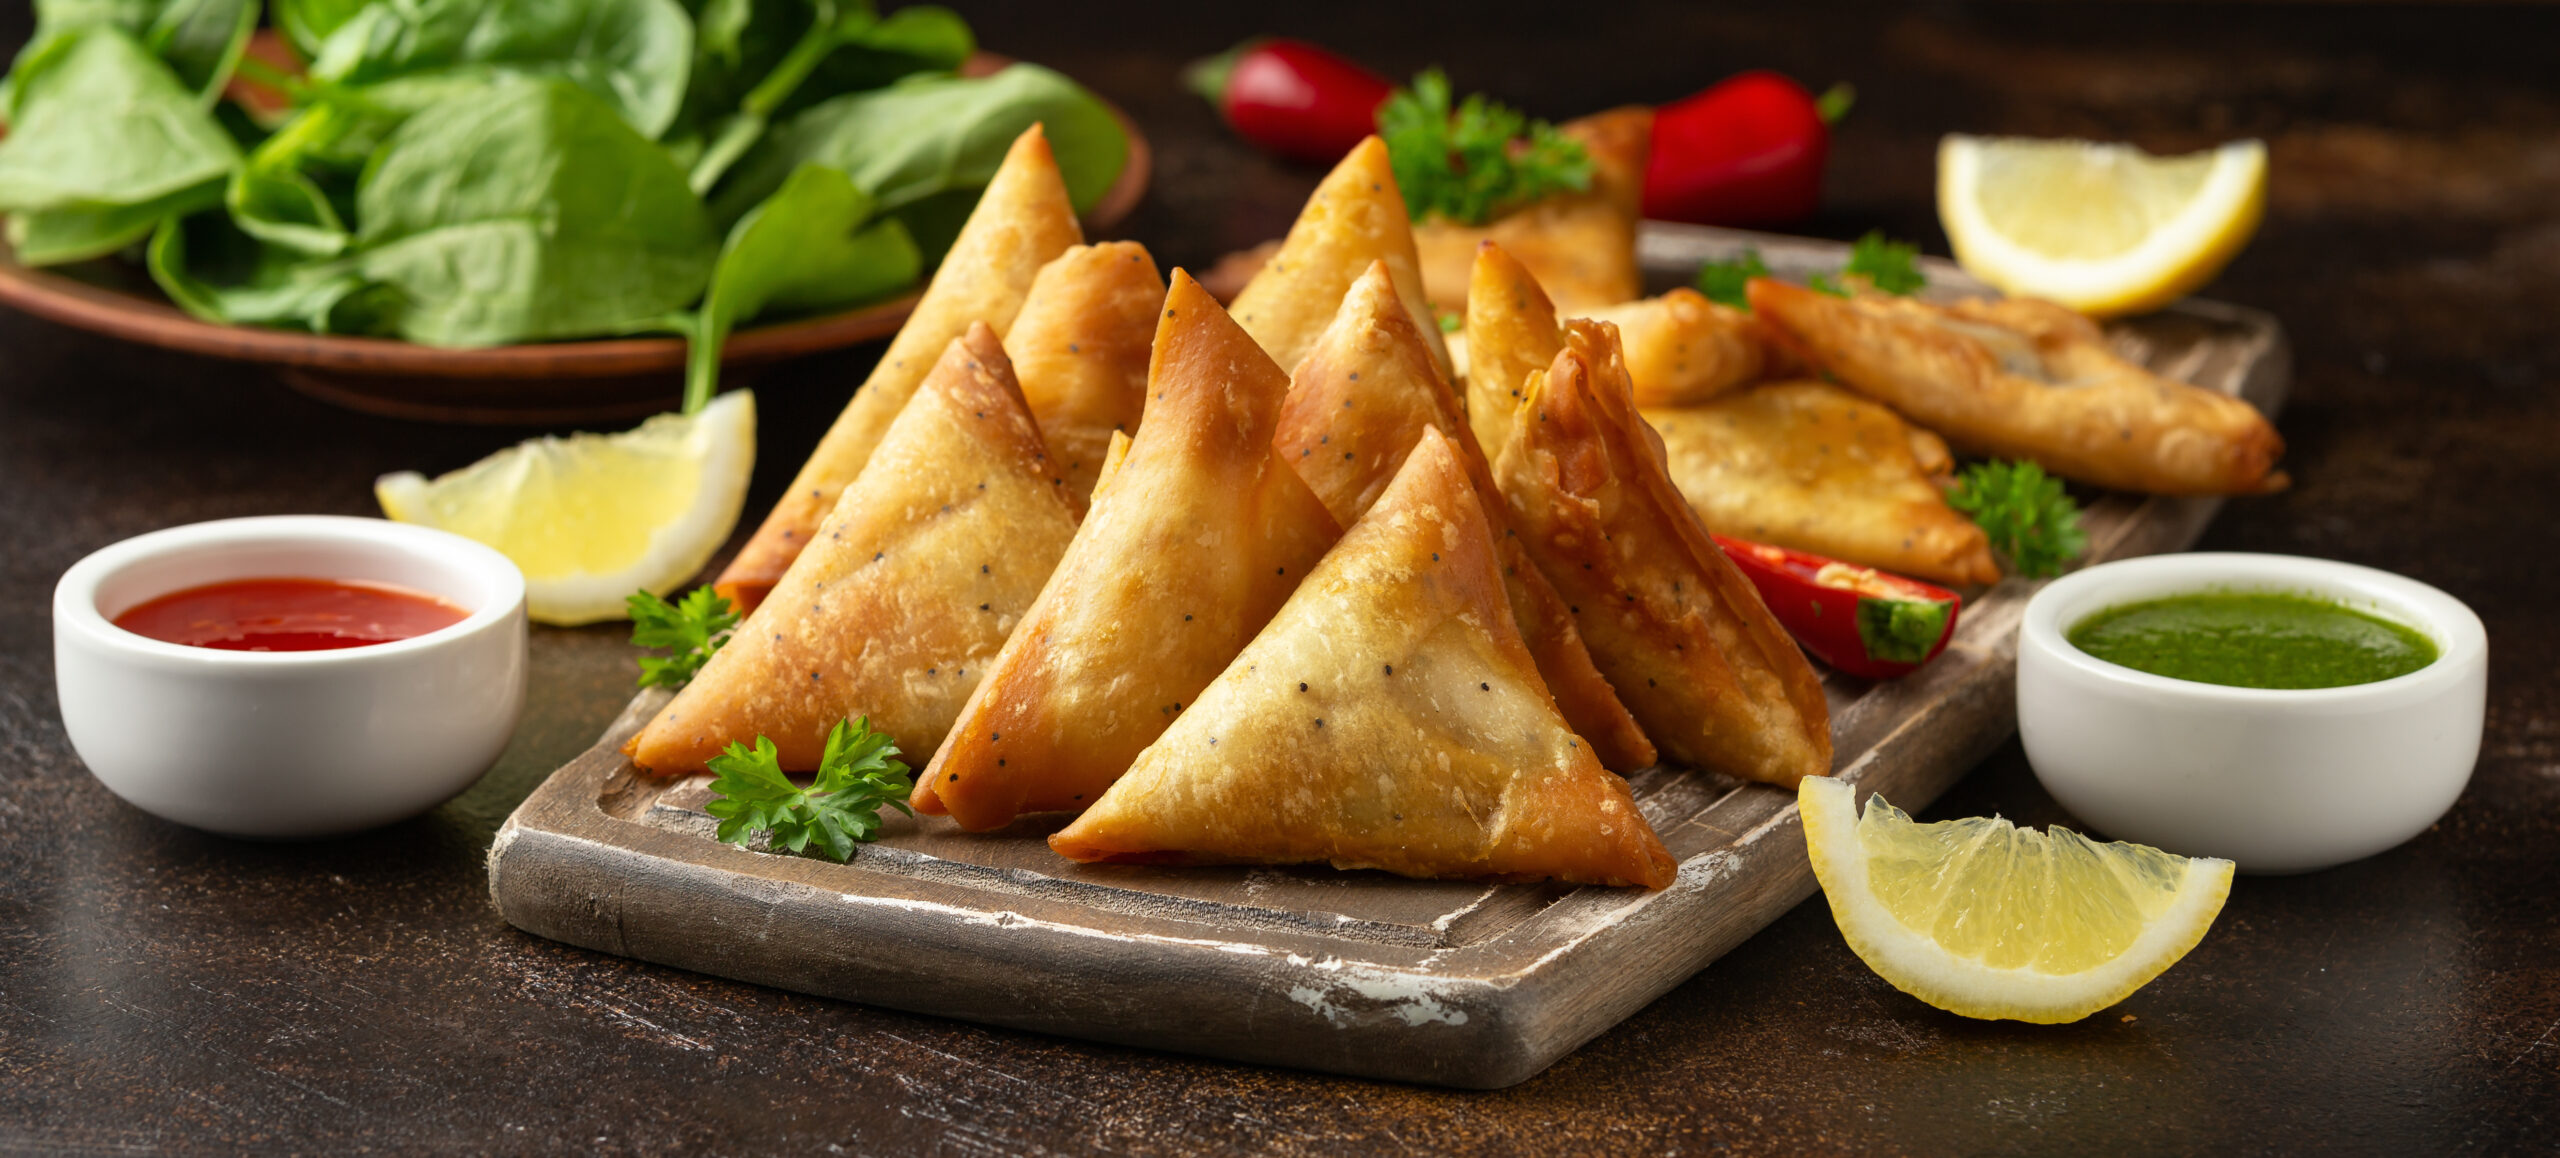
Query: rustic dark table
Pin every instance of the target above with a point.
(166, 990)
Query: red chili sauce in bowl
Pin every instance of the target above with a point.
(290, 615)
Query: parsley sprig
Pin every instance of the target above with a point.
(1875, 261)
(1471, 163)
(2032, 522)
(691, 630)
(1725, 281)
(839, 809)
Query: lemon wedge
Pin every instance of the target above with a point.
(1987, 920)
(592, 518)
(2105, 229)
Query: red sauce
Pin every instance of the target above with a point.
(290, 615)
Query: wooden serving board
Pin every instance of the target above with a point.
(1449, 983)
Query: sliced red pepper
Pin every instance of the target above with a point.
(1291, 97)
(1857, 619)
(1747, 151)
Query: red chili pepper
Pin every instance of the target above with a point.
(1857, 619)
(1291, 97)
(1747, 151)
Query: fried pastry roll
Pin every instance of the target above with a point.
(1198, 535)
(1683, 349)
(1581, 246)
(2022, 378)
(1389, 717)
(1680, 633)
(1080, 347)
(1357, 406)
(907, 591)
(1022, 221)
(1354, 218)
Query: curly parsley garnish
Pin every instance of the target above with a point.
(690, 630)
(1725, 281)
(1474, 162)
(2032, 522)
(839, 809)
(1874, 261)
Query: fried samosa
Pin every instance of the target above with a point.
(1814, 467)
(1357, 406)
(1683, 349)
(1511, 333)
(2022, 378)
(1354, 218)
(1389, 717)
(1196, 538)
(1581, 246)
(1022, 220)
(909, 589)
(1080, 348)
(1677, 629)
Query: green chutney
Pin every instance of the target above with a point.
(2253, 640)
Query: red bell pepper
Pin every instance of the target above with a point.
(1746, 151)
(1291, 97)
(1857, 619)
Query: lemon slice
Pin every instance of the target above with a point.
(592, 518)
(2105, 229)
(1986, 920)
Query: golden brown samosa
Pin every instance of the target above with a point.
(1357, 406)
(2023, 378)
(1581, 246)
(1192, 543)
(1678, 630)
(1683, 349)
(1814, 467)
(1512, 333)
(1389, 717)
(1080, 347)
(1354, 218)
(906, 594)
(1022, 220)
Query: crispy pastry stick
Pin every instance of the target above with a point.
(1683, 349)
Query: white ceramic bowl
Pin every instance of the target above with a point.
(2276, 781)
(290, 744)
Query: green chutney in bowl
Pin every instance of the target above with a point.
(2253, 639)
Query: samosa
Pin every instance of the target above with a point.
(1676, 628)
(1355, 217)
(1683, 349)
(1814, 467)
(1357, 406)
(1022, 220)
(1389, 717)
(2025, 378)
(1512, 333)
(1080, 348)
(908, 590)
(1581, 245)
(1193, 541)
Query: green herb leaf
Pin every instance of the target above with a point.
(200, 40)
(805, 248)
(840, 808)
(1725, 281)
(2030, 519)
(103, 142)
(690, 630)
(1901, 630)
(1890, 266)
(633, 54)
(308, 23)
(1471, 163)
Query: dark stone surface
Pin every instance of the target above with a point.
(164, 990)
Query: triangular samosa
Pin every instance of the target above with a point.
(1814, 467)
(1198, 536)
(2025, 378)
(1676, 628)
(1390, 718)
(1080, 347)
(1512, 333)
(1357, 406)
(1581, 246)
(1022, 220)
(1683, 349)
(909, 589)
(1354, 218)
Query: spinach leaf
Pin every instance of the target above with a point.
(201, 40)
(220, 274)
(103, 131)
(529, 212)
(925, 38)
(633, 53)
(932, 134)
(804, 248)
(308, 23)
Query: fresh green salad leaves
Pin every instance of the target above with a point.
(633, 54)
(1472, 163)
(690, 631)
(839, 809)
(809, 246)
(2031, 520)
(1875, 262)
(103, 142)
